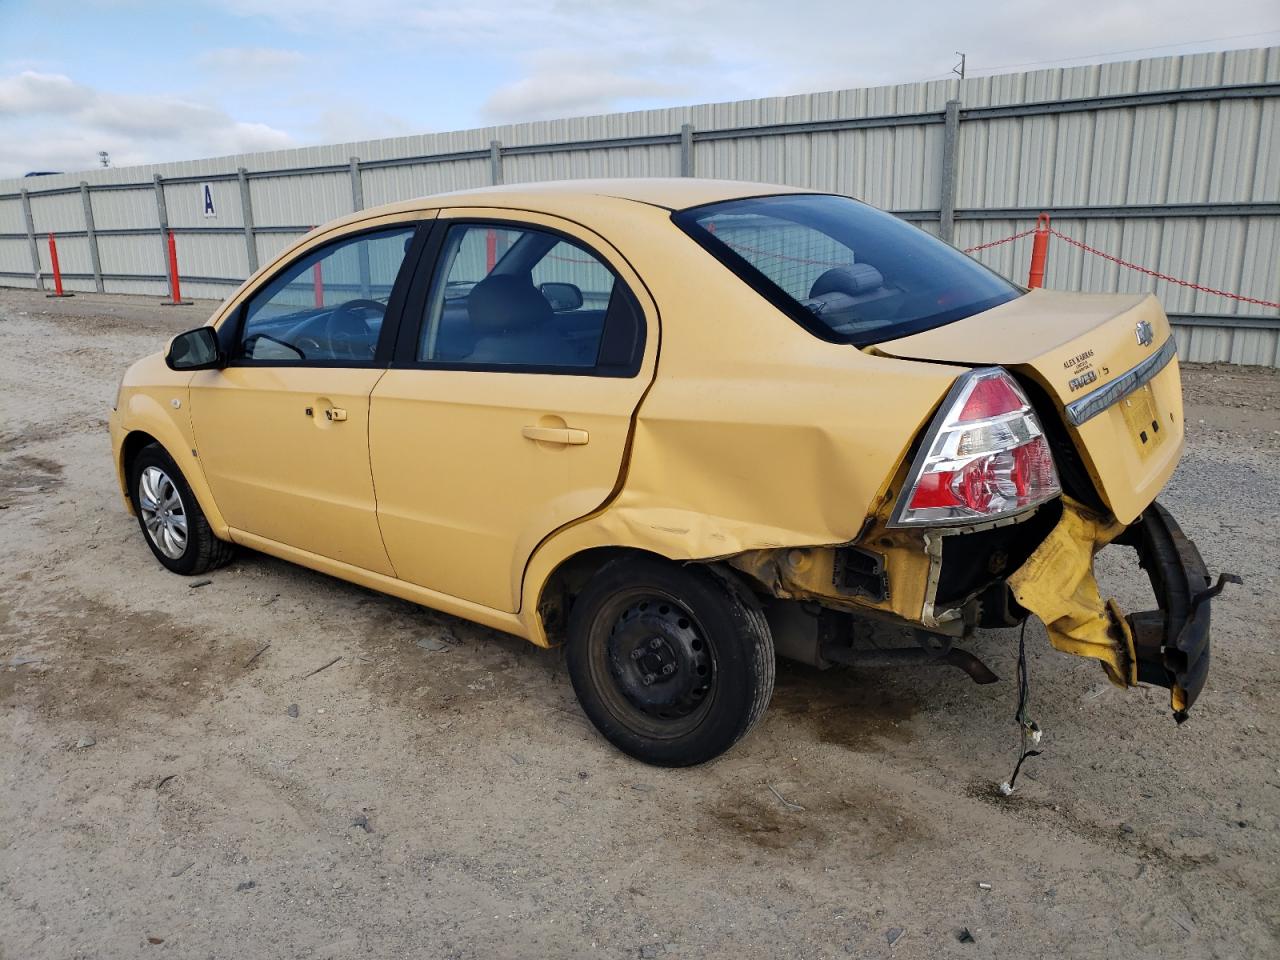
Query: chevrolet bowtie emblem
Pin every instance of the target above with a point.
(1145, 333)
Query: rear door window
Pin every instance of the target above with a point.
(505, 297)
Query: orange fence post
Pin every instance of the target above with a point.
(57, 271)
(1039, 252)
(175, 289)
(317, 282)
(490, 250)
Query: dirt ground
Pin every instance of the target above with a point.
(439, 794)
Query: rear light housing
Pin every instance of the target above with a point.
(985, 457)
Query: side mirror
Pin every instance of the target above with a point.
(562, 296)
(195, 350)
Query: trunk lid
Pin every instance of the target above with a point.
(1107, 362)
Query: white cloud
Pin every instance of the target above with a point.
(254, 61)
(304, 63)
(32, 92)
(54, 123)
(762, 47)
(344, 120)
(567, 91)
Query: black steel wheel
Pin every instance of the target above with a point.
(670, 663)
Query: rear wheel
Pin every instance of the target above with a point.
(172, 522)
(672, 665)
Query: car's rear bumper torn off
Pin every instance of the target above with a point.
(1168, 646)
(1171, 644)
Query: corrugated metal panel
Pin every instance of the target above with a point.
(73, 256)
(1211, 151)
(11, 218)
(144, 288)
(184, 203)
(387, 184)
(270, 244)
(15, 257)
(57, 213)
(135, 254)
(298, 201)
(125, 209)
(660, 161)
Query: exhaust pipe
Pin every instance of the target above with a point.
(934, 650)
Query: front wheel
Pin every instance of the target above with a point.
(172, 522)
(671, 664)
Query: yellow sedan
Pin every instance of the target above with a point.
(684, 427)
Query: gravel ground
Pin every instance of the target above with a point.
(176, 781)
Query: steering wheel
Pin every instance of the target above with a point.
(346, 326)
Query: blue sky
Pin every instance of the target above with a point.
(150, 81)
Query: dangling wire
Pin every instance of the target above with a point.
(1028, 729)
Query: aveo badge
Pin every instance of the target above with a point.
(1145, 333)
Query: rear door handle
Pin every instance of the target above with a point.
(332, 414)
(565, 435)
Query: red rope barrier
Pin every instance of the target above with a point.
(1162, 276)
(996, 243)
(1119, 261)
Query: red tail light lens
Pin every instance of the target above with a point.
(991, 397)
(984, 457)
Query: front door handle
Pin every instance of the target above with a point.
(565, 435)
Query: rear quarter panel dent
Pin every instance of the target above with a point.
(755, 434)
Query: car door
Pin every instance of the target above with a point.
(283, 428)
(507, 411)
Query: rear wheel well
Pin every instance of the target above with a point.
(572, 575)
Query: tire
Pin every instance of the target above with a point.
(672, 664)
(169, 516)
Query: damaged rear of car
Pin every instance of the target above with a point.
(1054, 442)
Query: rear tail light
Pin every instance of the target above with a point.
(984, 457)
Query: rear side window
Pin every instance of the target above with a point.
(844, 270)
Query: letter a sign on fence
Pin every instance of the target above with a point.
(209, 211)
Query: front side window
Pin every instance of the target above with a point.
(843, 269)
(506, 296)
(327, 306)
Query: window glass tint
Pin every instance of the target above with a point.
(328, 305)
(515, 297)
(855, 272)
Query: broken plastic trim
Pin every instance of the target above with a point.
(1171, 644)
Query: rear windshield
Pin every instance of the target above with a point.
(844, 270)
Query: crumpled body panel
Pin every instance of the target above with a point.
(1057, 585)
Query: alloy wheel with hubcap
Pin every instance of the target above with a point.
(175, 528)
(164, 516)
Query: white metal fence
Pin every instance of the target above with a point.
(1170, 163)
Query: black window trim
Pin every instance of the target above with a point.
(687, 220)
(230, 339)
(413, 316)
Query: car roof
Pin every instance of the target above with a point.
(670, 193)
(673, 193)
